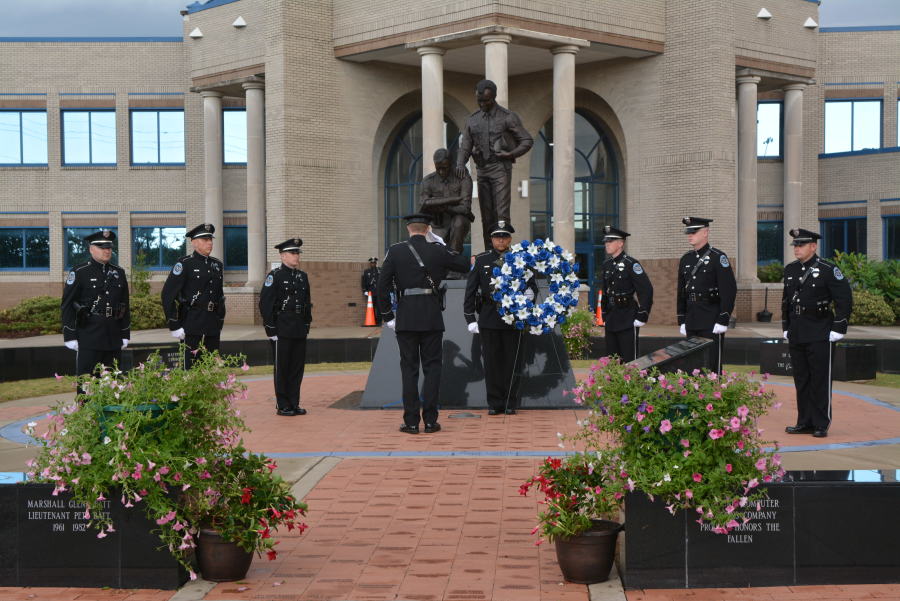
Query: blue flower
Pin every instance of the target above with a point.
(558, 250)
(520, 325)
(496, 271)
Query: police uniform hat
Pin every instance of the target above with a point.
(611, 233)
(693, 224)
(373, 259)
(103, 238)
(204, 230)
(290, 245)
(501, 228)
(802, 236)
(418, 218)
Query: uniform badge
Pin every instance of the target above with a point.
(115, 274)
(620, 266)
(177, 269)
(815, 272)
(70, 279)
(637, 268)
(837, 273)
(269, 280)
(724, 261)
(215, 266)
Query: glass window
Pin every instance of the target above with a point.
(235, 247)
(852, 125)
(157, 247)
(234, 135)
(157, 137)
(24, 248)
(845, 234)
(769, 242)
(89, 137)
(76, 249)
(23, 137)
(768, 129)
(891, 236)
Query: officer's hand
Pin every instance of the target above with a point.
(392, 324)
(461, 172)
(432, 237)
(834, 336)
(683, 330)
(719, 329)
(473, 328)
(639, 324)
(125, 342)
(179, 333)
(529, 294)
(784, 335)
(273, 338)
(72, 345)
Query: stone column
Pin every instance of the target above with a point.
(793, 163)
(496, 64)
(746, 263)
(256, 183)
(212, 164)
(432, 104)
(564, 146)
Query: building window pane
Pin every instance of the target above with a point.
(845, 235)
(157, 247)
(769, 242)
(157, 137)
(852, 125)
(171, 137)
(866, 124)
(24, 248)
(23, 137)
(76, 249)
(768, 129)
(12, 251)
(37, 248)
(236, 246)
(89, 137)
(234, 135)
(892, 237)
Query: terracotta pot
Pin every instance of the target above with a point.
(221, 560)
(588, 557)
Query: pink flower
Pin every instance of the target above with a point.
(735, 424)
(166, 518)
(245, 367)
(685, 442)
(717, 394)
(101, 535)
(689, 494)
(715, 433)
(697, 477)
(743, 411)
(761, 464)
(709, 407)
(639, 417)
(728, 467)
(57, 376)
(665, 425)
(729, 509)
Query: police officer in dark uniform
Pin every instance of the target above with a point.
(706, 289)
(192, 297)
(369, 282)
(96, 316)
(811, 285)
(621, 278)
(417, 268)
(286, 307)
(495, 138)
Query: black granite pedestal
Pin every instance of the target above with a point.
(850, 360)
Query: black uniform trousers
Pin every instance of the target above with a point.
(193, 342)
(290, 363)
(715, 361)
(623, 343)
(425, 347)
(493, 197)
(502, 354)
(86, 359)
(811, 364)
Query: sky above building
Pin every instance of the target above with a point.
(96, 18)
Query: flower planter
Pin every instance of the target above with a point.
(220, 560)
(588, 557)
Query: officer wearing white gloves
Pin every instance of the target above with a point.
(811, 285)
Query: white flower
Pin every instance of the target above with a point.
(107, 440)
(517, 247)
(528, 274)
(559, 434)
(506, 269)
(496, 282)
(509, 318)
(32, 424)
(506, 302)
(564, 289)
(568, 256)
(550, 322)
(549, 244)
(514, 284)
(519, 262)
(557, 278)
(572, 277)
(537, 330)
(667, 478)
(532, 249)
(520, 299)
(541, 266)
(522, 314)
(554, 261)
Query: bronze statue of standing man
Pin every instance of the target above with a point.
(494, 137)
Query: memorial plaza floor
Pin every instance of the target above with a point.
(438, 516)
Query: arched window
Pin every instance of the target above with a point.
(596, 191)
(403, 175)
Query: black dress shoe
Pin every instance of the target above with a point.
(284, 412)
(798, 429)
(493, 412)
(299, 411)
(510, 412)
(409, 429)
(432, 428)
(820, 433)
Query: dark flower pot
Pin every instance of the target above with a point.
(588, 557)
(221, 560)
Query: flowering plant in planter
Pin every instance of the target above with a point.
(168, 441)
(692, 440)
(578, 489)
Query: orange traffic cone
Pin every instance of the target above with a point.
(598, 320)
(370, 311)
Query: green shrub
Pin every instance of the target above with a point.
(771, 273)
(140, 276)
(147, 312)
(577, 333)
(31, 317)
(878, 277)
(870, 310)
(895, 307)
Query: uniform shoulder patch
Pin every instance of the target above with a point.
(837, 273)
(269, 280)
(723, 260)
(178, 268)
(70, 279)
(637, 268)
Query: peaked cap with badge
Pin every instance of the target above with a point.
(290, 245)
(693, 224)
(103, 238)
(204, 230)
(802, 236)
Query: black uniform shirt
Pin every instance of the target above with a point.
(806, 312)
(192, 296)
(95, 307)
(707, 297)
(620, 279)
(285, 303)
(370, 279)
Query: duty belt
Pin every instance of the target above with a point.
(210, 306)
(814, 310)
(108, 312)
(697, 297)
(417, 292)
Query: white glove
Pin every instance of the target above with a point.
(392, 324)
(719, 329)
(834, 336)
(432, 237)
(683, 330)
(179, 333)
(125, 342)
(273, 338)
(784, 335)
(72, 345)
(639, 324)
(529, 294)
(473, 327)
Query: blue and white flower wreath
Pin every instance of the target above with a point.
(510, 283)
